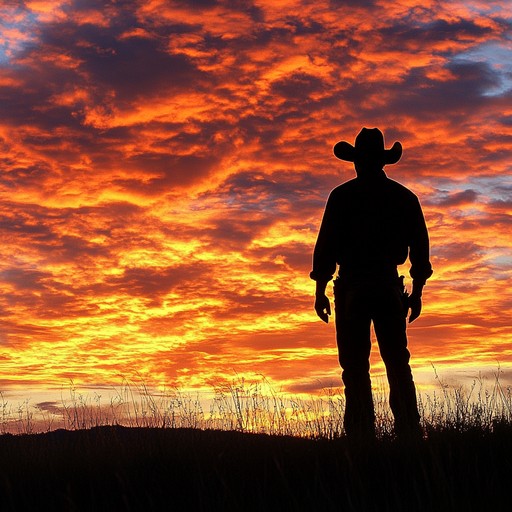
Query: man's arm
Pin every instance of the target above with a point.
(419, 256)
(324, 260)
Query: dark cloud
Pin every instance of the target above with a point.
(352, 3)
(323, 385)
(153, 283)
(488, 220)
(296, 256)
(236, 230)
(277, 191)
(103, 6)
(506, 120)
(251, 202)
(54, 408)
(298, 88)
(457, 251)
(454, 199)
(168, 170)
(425, 34)
(252, 303)
(44, 229)
(428, 98)
(135, 68)
(25, 279)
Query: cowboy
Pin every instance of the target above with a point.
(371, 224)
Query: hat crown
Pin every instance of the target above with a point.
(370, 141)
(369, 145)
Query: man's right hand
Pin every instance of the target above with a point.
(323, 307)
(415, 300)
(414, 306)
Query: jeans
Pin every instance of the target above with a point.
(357, 304)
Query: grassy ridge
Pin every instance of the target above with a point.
(119, 468)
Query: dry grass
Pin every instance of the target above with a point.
(254, 407)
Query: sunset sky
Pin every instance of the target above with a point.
(165, 165)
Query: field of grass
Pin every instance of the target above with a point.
(259, 451)
(130, 468)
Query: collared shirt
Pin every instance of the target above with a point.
(370, 225)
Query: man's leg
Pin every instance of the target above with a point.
(390, 327)
(354, 345)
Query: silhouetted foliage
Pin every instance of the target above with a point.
(120, 468)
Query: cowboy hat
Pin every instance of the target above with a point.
(369, 144)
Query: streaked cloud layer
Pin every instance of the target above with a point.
(165, 165)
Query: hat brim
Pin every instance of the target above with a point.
(345, 151)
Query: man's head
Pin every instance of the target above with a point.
(368, 153)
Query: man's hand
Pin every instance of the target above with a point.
(414, 306)
(323, 307)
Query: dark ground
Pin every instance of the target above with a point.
(143, 469)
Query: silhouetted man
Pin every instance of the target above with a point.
(370, 225)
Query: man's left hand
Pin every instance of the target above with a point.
(323, 307)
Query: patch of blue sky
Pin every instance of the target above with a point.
(503, 260)
(488, 188)
(4, 52)
(498, 188)
(9, 45)
(498, 55)
(500, 265)
(494, 8)
(468, 213)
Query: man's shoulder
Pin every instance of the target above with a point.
(345, 188)
(384, 184)
(399, 189)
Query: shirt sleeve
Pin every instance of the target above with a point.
(419, 246)
(324, 254)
